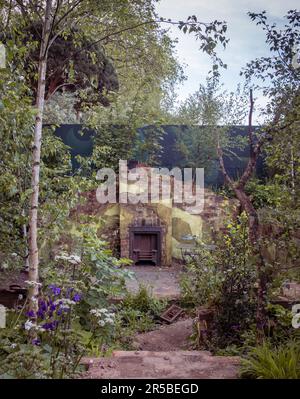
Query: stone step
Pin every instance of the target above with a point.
(163, 364)
(200, 355)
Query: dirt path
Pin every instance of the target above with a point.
(162, 283)
(166, 338)
(162, 354)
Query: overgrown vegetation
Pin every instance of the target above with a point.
(113, 67)
(75, 316)
(73, 312)
(266, 362)
(222, 277)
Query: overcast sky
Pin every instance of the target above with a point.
(247, 41)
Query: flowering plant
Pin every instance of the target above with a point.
(53, 347)
(71, 317)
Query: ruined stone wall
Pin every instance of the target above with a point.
(186, 226)
(178, 226)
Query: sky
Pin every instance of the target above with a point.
(247, 41)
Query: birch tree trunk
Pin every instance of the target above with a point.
(36, 157)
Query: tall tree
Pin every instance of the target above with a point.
(279, 78)
(202, 111)
(281, 85)
(238, 187)
(36, 156)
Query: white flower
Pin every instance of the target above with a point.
(103, 316)
(13, 346)
(20, 297)
(66, 302)
(29, 325)
(99, 312)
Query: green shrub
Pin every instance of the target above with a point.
(264, 194)
(200, 284)
(137, 313)
(265, 362)
(144, 302)
(224, 276)
(280, 324)
(235, 306)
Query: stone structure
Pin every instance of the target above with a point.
(156, 233)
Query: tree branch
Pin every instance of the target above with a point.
(254, 152)
(67, 13)
(59, 87)
(250, 129)
(227, 178)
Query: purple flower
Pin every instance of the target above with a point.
(41, 314)
(50, 326)
(56, 290)
(52, 307)
(30, 314)
(36, 342)
(47, 326)
(43, 306)
(76, 297)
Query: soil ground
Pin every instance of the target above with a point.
(171, 337)
(161, 282)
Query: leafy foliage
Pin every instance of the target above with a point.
(201, 282)
(138, 312)
(224, 278)
(210, 112)
(266, 193)
(143, 301)
(73, 317)
(266, 362)
(235, 306)
(282, 44)
(280, 79)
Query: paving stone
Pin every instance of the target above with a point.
(177, 364)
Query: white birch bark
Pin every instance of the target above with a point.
(36, 157)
